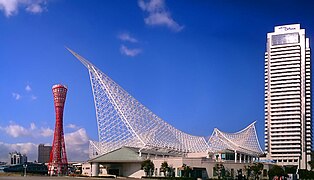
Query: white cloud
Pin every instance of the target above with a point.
(16, 96)
(77, 144)
(46, 132)
(28, 88)
(72, 126)
(16, 131)
(35, 8)
(11, 7)
(30, 149)
(158, 15)
(129, 52)
(33, 97)
(33, 126)
(78, 137)
(8, 6)
(127, 37)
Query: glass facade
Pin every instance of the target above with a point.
(289, 38)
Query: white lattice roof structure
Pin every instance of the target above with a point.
(123, 121)
(243, 141)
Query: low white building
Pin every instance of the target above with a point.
(127, 161)
(232, 152)
(86, 169)
(16, 158)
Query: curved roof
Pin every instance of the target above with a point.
(124, 121)
(243, 141)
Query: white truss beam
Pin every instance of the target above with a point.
(243, 141)
(123, 121)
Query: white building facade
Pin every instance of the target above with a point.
(288, 122)
(16, 158)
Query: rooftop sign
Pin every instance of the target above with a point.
(287, 28)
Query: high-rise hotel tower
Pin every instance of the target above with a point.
(288, 121)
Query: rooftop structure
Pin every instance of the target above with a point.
(244, 141)
(125, 122)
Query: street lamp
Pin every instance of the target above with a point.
(25, 167)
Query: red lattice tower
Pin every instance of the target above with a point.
(58, 163)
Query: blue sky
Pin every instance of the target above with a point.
(196, 64)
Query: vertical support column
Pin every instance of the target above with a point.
(235, 156)
(240, 158)
(95, 169)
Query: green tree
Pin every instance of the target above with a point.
(305, 174)
(164, 168)
(256, 169)
(311, 163)
(219, 169)
(276, 171)
(148, 167)
(186, 170)
(171, 171)
(247, 171)
(290, 169)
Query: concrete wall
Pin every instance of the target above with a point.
(133, 170)
(209, 164)
(199, 154)
(229, 166)
(174, 162)
(86, 169)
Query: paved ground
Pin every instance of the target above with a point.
(12, 176)
(48, 178)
